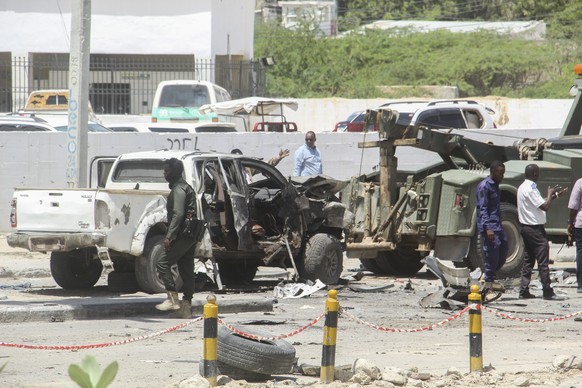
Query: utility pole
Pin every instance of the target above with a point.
(77, 139)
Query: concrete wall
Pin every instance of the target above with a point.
(39, 159)
(321, 115)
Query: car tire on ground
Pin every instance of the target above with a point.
(145, 267)
(323, 259)
(76, 269)
(266, 357)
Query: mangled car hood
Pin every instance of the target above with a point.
(318, 186)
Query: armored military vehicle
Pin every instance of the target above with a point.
(401, 216)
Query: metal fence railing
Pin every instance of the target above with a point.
(124, 84)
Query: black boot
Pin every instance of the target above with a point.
(549, 294)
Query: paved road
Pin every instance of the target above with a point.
(508, 345)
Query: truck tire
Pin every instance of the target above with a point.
(145, 267)
(267, 357)
(323, 259)
(76, 269)
(371, 265)
(516, 253)
(122, 282)
(400, 262)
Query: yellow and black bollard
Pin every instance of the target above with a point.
(475, 330)
(329, 337)
(209, 367)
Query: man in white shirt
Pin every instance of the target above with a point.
(575, 227)
(531, 211)
(308, 158)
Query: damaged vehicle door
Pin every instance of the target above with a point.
(277, 222)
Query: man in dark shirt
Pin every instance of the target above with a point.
(177, 249)
(489, 226)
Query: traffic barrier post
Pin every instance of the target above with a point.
(329, 337)
(209, 367)
(475, 330)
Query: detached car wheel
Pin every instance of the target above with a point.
(267, 357)
(75, 269)
(323, 259)
(145, 268)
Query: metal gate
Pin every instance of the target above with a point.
(124, 84)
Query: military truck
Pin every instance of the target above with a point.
(401, 216)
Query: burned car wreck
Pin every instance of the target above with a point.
(256, 217)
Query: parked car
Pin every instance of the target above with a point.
(61, 122)
(461, 114)
(203, 127)
(51, 102)
(458, 114)
(355, 121)
(179, 100)
(24, 124)
(406, 111)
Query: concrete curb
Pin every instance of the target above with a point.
(122, 308)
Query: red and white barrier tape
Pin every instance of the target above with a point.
(259, 338)
(531, 320)
(397, 330)
(294, 332)
(103, 345)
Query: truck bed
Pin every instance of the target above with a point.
(60, 210)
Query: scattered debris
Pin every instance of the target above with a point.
(360, 288)
(16, 287)
(408, 286)
(262, 322)
(351, 278)
(297, 290)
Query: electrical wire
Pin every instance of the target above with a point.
(67, 34)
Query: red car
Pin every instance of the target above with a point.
(354, 123)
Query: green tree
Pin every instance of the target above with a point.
(356, 12)
(358, 65)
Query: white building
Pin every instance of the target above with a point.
(215, 31)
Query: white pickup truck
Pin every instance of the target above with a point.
(256, 217)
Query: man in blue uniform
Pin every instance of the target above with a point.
(489, 226)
